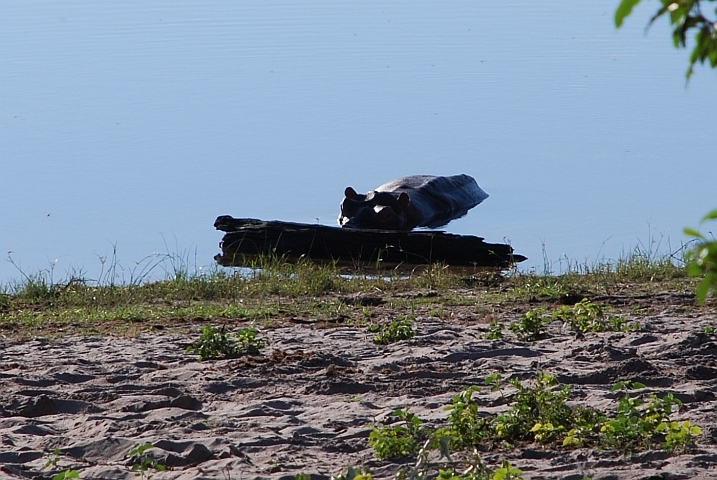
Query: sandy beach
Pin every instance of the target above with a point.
(308, 403)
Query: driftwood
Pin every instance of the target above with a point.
(247, 239)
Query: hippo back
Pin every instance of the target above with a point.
(438, 200)
(409, 202)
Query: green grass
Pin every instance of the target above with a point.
(276, 290)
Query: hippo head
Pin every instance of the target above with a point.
(375, 210)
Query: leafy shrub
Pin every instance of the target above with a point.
(400, 439)
(53, 458)
(678, 435)
(465, 426)
(495, 331)
(216, 343)
(586, 316)
(702, 260)
(66, 475)
(472, 468)
(506, 471)
(531, 325)
(393, 332)
(537, 411)
(143, 464)
(353, 473)
(248, 343)
(642, 423)
(684, 15)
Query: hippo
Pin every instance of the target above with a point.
(410, 202)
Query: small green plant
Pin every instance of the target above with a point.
(213, 343)
(619, 324)
(66, 475)
(507, 472)
(450, 474)
(495, 331)
(532, 324)
(353, 473)
(586, 316)
(702, 260)
(248, 343)
(397, 330)
(216, 343)
(143, 464)
(53, 458)
(539, 411)
(471, 467)
(679, 436)
(400, 439)
(474, 469)
(642, 423)
(465, 426)
(626, 430)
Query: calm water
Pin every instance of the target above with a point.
(134, 124)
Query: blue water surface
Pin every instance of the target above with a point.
(130, 126)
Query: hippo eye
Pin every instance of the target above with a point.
(386, 217)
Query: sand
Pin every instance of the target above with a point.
(308, 403)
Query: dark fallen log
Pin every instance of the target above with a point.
(247, 239)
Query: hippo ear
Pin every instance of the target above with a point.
(351, 193)
(403, 201)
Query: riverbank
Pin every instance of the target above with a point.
(97, 382)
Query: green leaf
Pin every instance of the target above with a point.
(710, 216)
(618, 386)
(693, 270)
(67, 474)
(659, 13)
(692, 232)
(623, 10)
(702, 290)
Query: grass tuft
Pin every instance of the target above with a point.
(126, 300)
